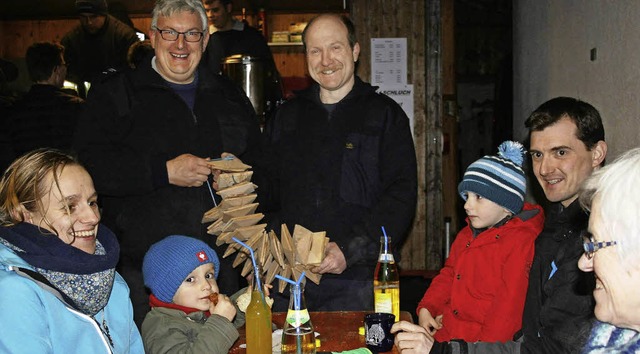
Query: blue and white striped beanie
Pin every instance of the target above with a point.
(498, 178)
(168, 262)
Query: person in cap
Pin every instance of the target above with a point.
(181, 273)
(100, 42)
(479, 293)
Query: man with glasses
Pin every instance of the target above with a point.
(146, 136)
(98, 43)
(566, 146)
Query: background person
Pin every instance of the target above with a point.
(46, 116)
(566, 146)
(340, 159)
(491, 256)
(146, 135)
(60, 290)
(233, 37)
(98, 43)
(612, 252)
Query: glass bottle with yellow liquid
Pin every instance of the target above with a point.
(297, 335)
(386, 281)
(258, 319)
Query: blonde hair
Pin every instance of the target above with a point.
(24, 183)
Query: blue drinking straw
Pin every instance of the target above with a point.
(209, 184)
(211, 192)
(296, 296)
(386, 239)
(253, 259)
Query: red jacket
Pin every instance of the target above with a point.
(481, 289)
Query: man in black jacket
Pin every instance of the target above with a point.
(566, 146)
(342, 161)
(147, 133)
(45, 116)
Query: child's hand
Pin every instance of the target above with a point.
(224, 307)
(266, 289)
(426, 320)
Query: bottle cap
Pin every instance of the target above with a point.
(318, 343)
(361, 331)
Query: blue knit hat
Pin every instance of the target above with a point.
(169, 261)
(498, 178)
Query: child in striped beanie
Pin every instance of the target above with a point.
(479, 293)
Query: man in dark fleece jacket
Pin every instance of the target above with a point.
(46, 116)
(147, 133)
(342, 161)
(566, 146)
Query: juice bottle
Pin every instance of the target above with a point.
(258, 321)
(386, 281)
(297, 335)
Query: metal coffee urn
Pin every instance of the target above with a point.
(249, 73)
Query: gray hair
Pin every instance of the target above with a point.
(166, 8)
(614, 189)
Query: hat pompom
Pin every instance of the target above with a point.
(498, 178)
(513, 151)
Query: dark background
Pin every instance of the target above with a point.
(49, 9)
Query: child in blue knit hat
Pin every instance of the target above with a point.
(479, 293)
(181, 273)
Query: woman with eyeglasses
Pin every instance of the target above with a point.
(59, 291)
(612, 252)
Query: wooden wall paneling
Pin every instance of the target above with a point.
(450, 174)
(403, 18)
(433, 95)
(17, 36)
(290, 60)
(142, 23)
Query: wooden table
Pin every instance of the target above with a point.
(338, 330)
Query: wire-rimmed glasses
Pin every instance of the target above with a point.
(591, 246)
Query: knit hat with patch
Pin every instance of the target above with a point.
(92, 6)
(169, 261)
(498, 178)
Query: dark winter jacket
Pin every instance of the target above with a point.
(347, 172)
(88, 55)
(44, 117)
(134, 123)
(559, 305)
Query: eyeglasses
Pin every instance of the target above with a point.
(172, 35)
(591, 246)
